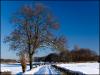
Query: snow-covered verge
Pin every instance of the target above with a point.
(86, 68)
(13, 68)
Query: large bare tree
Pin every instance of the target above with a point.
(34, 27)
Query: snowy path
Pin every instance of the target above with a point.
(47, 69)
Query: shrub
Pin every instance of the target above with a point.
(23, 62)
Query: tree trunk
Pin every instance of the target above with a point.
(30, 56)
(30, 61)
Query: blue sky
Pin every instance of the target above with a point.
(79, 22)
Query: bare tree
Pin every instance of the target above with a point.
(33, 29)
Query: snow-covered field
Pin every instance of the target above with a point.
(14, 68)
(86, 68)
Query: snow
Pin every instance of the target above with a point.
(86, 68)
(14, 68)
(33, 70)
(47, 69)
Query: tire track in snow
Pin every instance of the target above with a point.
(54, 71)
(47, 69)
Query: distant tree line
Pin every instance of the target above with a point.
(83, 55)
(75, 55)
(8, 61)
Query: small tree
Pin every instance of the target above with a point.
(23, 62)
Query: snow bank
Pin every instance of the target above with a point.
(86, 68)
